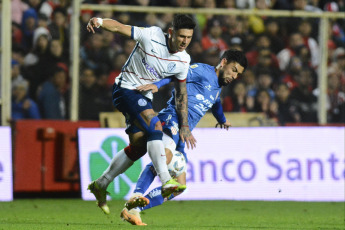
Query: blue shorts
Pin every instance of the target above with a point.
(131, 103)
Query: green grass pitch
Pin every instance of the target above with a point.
(78, 214)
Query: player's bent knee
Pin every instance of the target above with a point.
(154, 134)
(134, 152)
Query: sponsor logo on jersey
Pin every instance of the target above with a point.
(150, 69)
(142, 102)
(173, 130)
(199, 97)
(208, 87)
(171, 67)
(194, 66)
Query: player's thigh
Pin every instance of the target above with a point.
(138, 139)
(136, 108)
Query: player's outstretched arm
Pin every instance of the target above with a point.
(110, 25)
(181, 102)
(155, 86)
(217, 111)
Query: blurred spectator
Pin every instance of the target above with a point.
(35, 4)
(272, 30)
(43, 21)
(291, 23)
(302, 97)
(22, 106)
(18, 54)
(17, 34)
(129, 45)
(237, 101)
(18, 7)
(150, 19)
(264, 82)
(85, 16)
(41, 38)
(29, 24)
(236, 43)
(119, 61)
(256, 23)
(94, 55)
(294, 68)
(53, 95)
(201, 19)
(212, 43)
(339, 65)
(58, 27)
(337, 32)
(37, 63)
(237, 27)
(245, 4)
(295, 44)
(305, 29)
(249, 79)
(93, 99)
(286, 110)
(56, 54)
(265, 104)
(336, 98)
(15, 73)
(262, 47)
(164, 21)
(196, 52)
(267, 60)
(228, 4)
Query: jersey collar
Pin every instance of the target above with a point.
(167, 41)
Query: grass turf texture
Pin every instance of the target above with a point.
(78, 214)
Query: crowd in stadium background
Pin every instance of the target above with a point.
(283, 55)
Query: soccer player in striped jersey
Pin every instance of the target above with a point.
(204, 84)
(156, 56)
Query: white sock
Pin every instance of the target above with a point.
(155, 148)
(118, 165)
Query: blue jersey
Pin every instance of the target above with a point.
(203, 94)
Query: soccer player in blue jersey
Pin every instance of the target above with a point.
(204, 84)
(155, 56)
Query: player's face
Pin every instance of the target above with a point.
(229, 72)
(181, 39)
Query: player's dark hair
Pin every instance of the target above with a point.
(183, 21)
(235, 56)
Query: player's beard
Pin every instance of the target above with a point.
(221, 80)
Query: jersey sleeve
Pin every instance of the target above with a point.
(141, 33)
(217, 111)
(182, 76)
(163, 82)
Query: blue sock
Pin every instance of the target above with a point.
(145, 179)
(155, 197)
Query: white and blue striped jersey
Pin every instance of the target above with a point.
(151, 61)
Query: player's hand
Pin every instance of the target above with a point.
(225, 125)
(187, 137)
(152, 87)
(92, 23)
